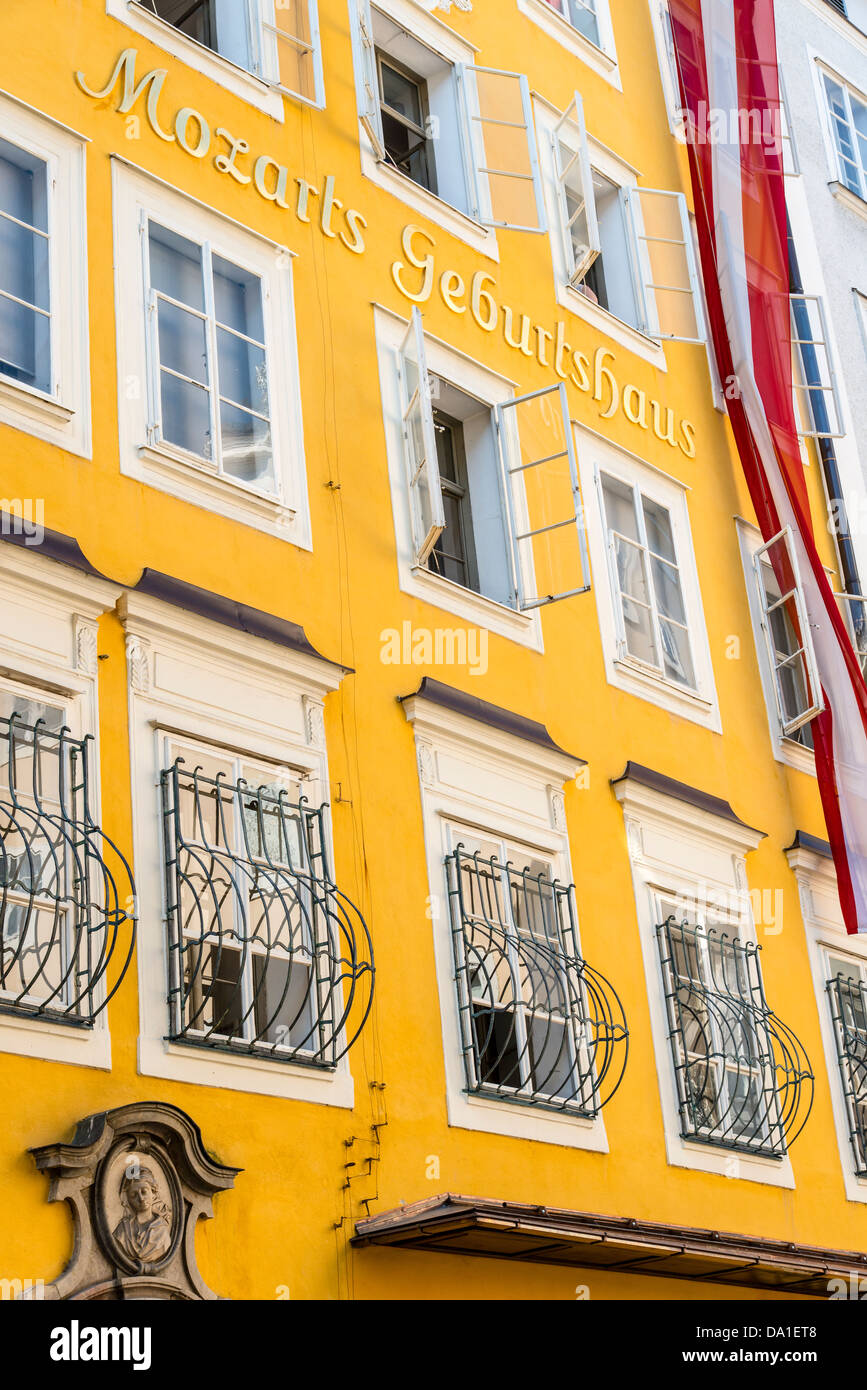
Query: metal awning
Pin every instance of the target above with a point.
(550, 1235)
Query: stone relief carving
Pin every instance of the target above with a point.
(314, 722)
(446, 5)
(138, 665)
(138, 1179)
(425, 764)
(85, 647)
(558, 810)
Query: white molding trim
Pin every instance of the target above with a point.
(249, 695)
(48, 619)
(679, 849)
(851, 200)
(826, 931)
(500, 785)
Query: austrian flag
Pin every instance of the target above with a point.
(726, 55)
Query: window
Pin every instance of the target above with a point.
(787, 635)
(817, 400)
(581, 14)
(265, 955)
(209, 358)
(494, 495)
(743, 1079)
(847, 996)
(44, 352)
(276, 40)
(209, 399)
(454, 129)
(25, 285)
(63, 910)
(538, 1024)
(854, 610)
(628, 249)
(653, 624)
(847, 111)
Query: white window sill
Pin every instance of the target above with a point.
(643, 681)
(451, 219)
(613, 327)
(796, 756)
(559, 28)
(851, 200)
(33, 411)
(55, 1042)
(184, 477)
(488, 1115)
(474, 608)
(728, 1163)
(254, 1075)
(234, 78)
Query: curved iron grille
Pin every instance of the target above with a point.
(538, 1025)
(743, 1079)
(62, 907)
(849, 1011)
(266, 955)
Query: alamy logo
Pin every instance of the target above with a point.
(75, 1343)
(23, 516)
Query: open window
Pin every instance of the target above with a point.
(787, 634)
(667, 275)
(816, 395)
(276, 40)
(495, 499)
(460, 131)
(575, 192)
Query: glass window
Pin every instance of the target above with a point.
(644, 566)
(208, 343)
(787, 634)
(403, 102)
(848, 115)
(581, 14)
(25, 307)
(453, 554)
(847, 995)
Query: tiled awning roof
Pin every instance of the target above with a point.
(550, 1235)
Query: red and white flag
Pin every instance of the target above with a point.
(727, 61)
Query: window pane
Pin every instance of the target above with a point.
(246, 445)
(242, 372)
(238, 299)
(619, 507)
(658, 523)
(24, 263)
(183, 342)
(176, 266)
(401, 94)
(25, 344)
(186, 415)
(675, 646)
(23, 186)
(666, 586)
(283, 1002)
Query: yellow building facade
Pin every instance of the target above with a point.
(360, 451)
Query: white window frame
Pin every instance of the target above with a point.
(489, 389)
(826, 935)
(191, 679)
(260, 89)
(785, 750)
(678, 850)
(569, 296)
(601, 58)
(849, 89)
(284, 513)
(828, 386)
(61, 416)
(662, 34)
(597, 455)
(498, 786)
(450, 48)
(790, 726)
(48, 630)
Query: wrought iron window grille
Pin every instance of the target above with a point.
(67, 896)
(266, 955)
(539, 1026)
(744, 1081)
(848, 998)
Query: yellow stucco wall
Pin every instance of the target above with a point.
(278, 1227)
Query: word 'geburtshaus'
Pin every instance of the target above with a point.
(533, 340)
(192, 132)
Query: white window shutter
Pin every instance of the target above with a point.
(420, 447)
(665, 262)
(500, 139)
(293, 49)
(575, 193)
(787, 633)
(368, 79)
(814, 376)
(543, 497)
